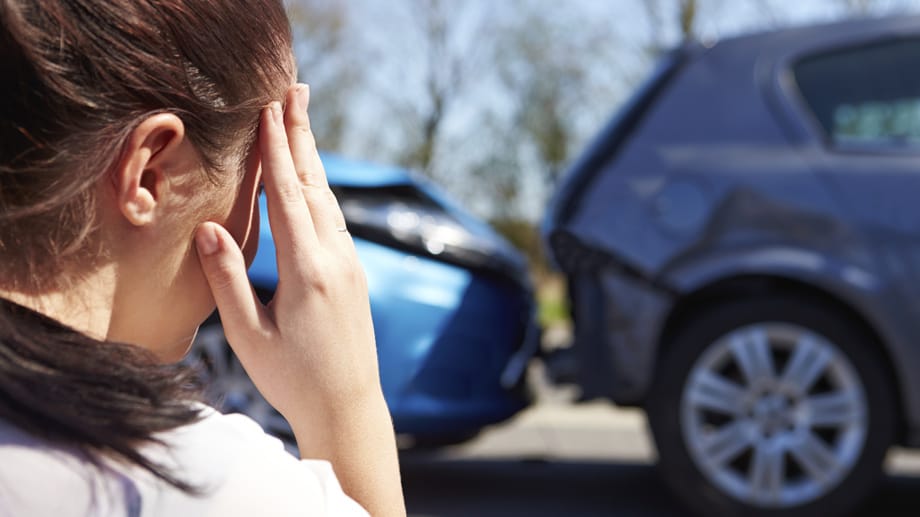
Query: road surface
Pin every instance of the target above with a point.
(560, 459)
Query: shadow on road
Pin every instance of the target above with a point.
(537, 488)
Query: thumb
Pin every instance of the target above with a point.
(225, 269)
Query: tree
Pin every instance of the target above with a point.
(447, 64)
(442, 82)
(553, 71)
(557, 70)
(542, 78)
(327, 60)
(687, 14)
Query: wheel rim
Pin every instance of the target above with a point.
(774, 415)
(228, 383)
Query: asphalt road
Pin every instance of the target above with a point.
(557, 459)
(514, 487)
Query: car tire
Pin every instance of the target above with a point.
(779, 447)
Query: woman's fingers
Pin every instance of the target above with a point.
(324, 208)
(300, 136)
(290, 219)
(222, 261)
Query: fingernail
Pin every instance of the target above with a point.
(303, 96)
(206, 240)
(277, 114)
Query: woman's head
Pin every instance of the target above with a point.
(124, 124)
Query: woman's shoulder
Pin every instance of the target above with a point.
(235, 466)
(240, 468)
(38, 478)
(215, 430)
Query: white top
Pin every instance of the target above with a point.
(244, 472)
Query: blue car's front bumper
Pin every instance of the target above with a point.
(445, 337)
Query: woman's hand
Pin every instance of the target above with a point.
(314, 343)
(311, 351)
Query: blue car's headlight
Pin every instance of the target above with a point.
(406, 218)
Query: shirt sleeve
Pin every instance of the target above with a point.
(262, 478)
(336, 502)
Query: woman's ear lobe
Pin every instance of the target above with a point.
(139, 205)
(139, 178)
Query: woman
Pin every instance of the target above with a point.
(134, 137)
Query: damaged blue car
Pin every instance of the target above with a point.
(451, 301)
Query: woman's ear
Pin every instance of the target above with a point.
(140, 176)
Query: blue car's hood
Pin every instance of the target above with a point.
(343, 172)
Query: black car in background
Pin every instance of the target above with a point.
(742, 247)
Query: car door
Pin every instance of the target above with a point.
(865, 102)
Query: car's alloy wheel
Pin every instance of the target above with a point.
(765, 407)
(230, 386)
(774, 435)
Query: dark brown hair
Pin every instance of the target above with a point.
(78, 77)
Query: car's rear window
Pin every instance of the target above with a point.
(867, 95)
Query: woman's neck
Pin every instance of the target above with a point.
(84, 305)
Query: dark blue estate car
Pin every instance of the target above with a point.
(742, 245)
(452, 305)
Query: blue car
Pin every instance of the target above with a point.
(451, 301)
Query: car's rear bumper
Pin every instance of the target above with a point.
(619, 318)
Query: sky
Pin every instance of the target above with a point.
(387, 35)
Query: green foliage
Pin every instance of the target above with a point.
(525, 236)
(552, 306)
(552, 299)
